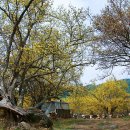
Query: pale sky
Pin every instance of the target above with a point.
(90, 74)
(94, 5)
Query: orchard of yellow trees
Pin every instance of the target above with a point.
(107, 98)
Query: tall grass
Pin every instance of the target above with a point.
(66, 124)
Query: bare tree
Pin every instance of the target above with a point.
(111, 43)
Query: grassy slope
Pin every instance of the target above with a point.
(103, 124)
(84, 124)
(66, 124)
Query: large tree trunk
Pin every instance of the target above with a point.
(7, 102)
(16, 114)
(113, 110)
(21, 97)
(12, 114)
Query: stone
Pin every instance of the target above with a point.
(24, 126)
(32, 128)
(114, 126)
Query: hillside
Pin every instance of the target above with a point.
(92, 86)
(128, 82)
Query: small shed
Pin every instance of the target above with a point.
(61, 108)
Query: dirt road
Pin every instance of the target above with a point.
(111, 124)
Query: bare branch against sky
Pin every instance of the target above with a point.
(91, 74)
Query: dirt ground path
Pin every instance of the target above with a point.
(111, 124)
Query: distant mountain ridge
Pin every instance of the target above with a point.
(67, 93)
(128, 82)
(92, 86)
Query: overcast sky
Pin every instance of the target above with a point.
(94, 5)
(90, 74)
